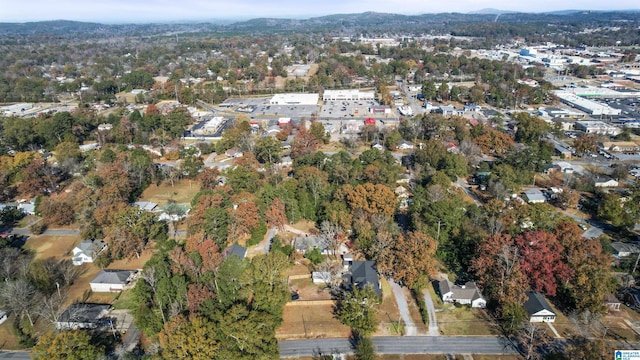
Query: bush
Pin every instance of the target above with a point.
(315, 256)
(257, 234)
(422, 306)
(38, 228)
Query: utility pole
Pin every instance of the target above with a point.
(636, 264)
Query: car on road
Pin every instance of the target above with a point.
(583, 226)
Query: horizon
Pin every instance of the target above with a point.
(189, 11)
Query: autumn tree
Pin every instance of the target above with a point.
(414, 257)
(194, 337)
(276, 215)
(132, 230)
(541, 260)
(370, 198)
(268, 150)
(209, 178)
(66, 345)
(304, 142)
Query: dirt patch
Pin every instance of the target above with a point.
(618, 328)
(80, 290)
(182, 192)
(307, 226)
(133, 263)
(308, 290)
(8, 337)
(46, 246)
(312, 321)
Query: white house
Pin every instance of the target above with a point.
(534, 196)
(605, 181)
(405, 145)
(467, 294)
(87, 251)
(538, 308)
(3, 316)
(111, 280)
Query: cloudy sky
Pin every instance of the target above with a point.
(118, 11)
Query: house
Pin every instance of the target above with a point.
(467, 294)
(87, 251)
(3, 316)
(111, 280)
(145, 205)
(27, 208)
(534, 196)
(538, 308)
(82, 316)
(612, 302)
(622, 250)
(286, 161)
(377, 146)
(404, 145)
(235, 249)
(234, 154)
(605, 181)
(307, 243)
(565, 167)
(363, 274)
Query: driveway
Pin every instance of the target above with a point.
(401, 300)
(433, 322)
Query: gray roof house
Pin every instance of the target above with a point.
(235, 249)
(145, 205)
(87, 251)
(82, 316)
(111, 280)
(538, 308)
(622, 249)
(534, 196)
(361, 274)
(307, 243)
(467, 294)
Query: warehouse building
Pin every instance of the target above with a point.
(589, 106)
(597, 127)
(294, 99)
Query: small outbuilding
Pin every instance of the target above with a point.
(111, 280)
(534, 196)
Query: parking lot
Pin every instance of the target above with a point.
(630, 107)
(343, 110)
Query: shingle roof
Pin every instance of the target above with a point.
(83, 312)
(536, 303)
(364, 273)
(236, 250)
(112, 277)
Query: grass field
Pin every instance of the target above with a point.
(183, 192)
(310, 321)
(46, 246)
(465, 321)
(387, 311)
(8, 338)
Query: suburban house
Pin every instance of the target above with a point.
(302, 244)
(87, 251)
(565, 167)
(378, 146)
(605, 181)
(467, 294)
(3, 316)
(404, 145)
(111, 280)
(145, 205)
(538, 308)
(321, 277)
(623, 250)
(534, 196)
(82, 316)
(612, 302)
(235, 249)
(362, 274)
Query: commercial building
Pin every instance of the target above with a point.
(347, 95)
(597, 127)
(294, 99)
(589, 106)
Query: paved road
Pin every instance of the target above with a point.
(14, 355)
(401, 345)
(131, 338)
(401, 300)
(51, 232)
(462, 183)
(433, 321)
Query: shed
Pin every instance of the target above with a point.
(321, 277)
(534, 196)
(612, 302)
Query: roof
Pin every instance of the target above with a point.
(83, 312)
(236, 250)
(91, 247)
(609, 298)
(468, 291)
(620, 247)
(112, 277)
(536, 303)
(364, 273)
(534, 195)
(145, 205)
(304, 243)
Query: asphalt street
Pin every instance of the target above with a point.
(14, 355)
(402, 345)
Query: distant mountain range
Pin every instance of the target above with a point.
(345, 24)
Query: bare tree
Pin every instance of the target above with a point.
(532, 337)
(331, 234)
(19, 297)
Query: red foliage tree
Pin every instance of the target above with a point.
(196, 295)
(276, 215)
(542, 261)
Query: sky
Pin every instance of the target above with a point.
(140, 11)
